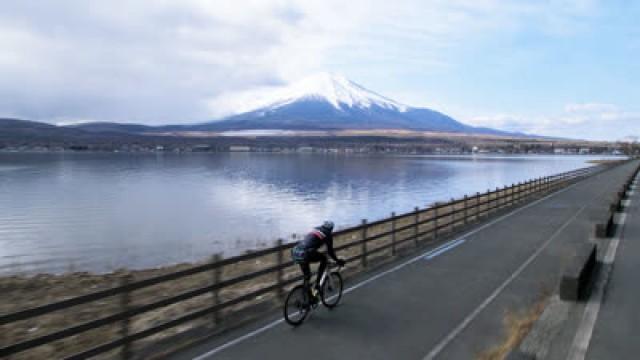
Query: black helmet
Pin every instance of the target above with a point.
(327, 226)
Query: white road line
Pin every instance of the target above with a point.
(467, 320)
(238, 340)
(442, 251)
(379, 275)
(397, 267)
(582, 339)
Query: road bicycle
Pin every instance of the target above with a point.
(298, 303)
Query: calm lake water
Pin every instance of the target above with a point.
(99, 212)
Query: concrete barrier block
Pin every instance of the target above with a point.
(607, 228)
(600, 231)
(611, 225)
(578, 273)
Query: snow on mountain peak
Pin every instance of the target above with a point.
(335, 89)
(341, 93)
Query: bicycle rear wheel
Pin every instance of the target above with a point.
(332, 290)
(296, 307)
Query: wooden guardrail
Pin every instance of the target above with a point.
(359, 245)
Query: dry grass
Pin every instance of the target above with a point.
(517, 325)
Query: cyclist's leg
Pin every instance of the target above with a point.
(315, 256)
(306, 271)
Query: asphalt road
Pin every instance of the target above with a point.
(617, 328)
(448, 304)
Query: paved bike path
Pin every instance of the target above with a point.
(450, 306)
(617, 328)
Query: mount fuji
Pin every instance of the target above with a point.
(331, 102)
(319, 102)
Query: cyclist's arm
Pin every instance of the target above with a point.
(330, 250)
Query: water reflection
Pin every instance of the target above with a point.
(102, 211)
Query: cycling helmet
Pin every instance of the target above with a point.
(327, 225)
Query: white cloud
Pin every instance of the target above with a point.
(592, 121)
(168, 61)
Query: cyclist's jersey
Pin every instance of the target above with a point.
(314, 240)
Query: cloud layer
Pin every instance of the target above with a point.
(186, 61)
(591, 121)
(141, 61)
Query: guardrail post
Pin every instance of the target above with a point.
(453, 212)
(498, 198)
(125, 305)
(465, 214)
(546, 183)
(488, 202)
(530, 187)
(505, 197)
(216, 277)
(280, 279)
(477, 207)
(393, 234)
(541, 185)
(415, 225)
(435, 220)
(364, 243)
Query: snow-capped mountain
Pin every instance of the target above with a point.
(319, 102)
(338, 91)
(327, 101)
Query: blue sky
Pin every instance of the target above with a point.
(563, 68)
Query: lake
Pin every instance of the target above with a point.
(101, 211)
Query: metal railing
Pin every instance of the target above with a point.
(359, 245)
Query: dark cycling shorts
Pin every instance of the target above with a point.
(299, 254)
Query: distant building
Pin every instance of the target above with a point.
(201, 148)
(239, 148)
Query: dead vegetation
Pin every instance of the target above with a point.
(516, 325)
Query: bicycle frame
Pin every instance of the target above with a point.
(324, 277)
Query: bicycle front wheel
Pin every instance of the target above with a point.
(296, 307)
(332, 290)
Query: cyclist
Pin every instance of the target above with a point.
(306, 252)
